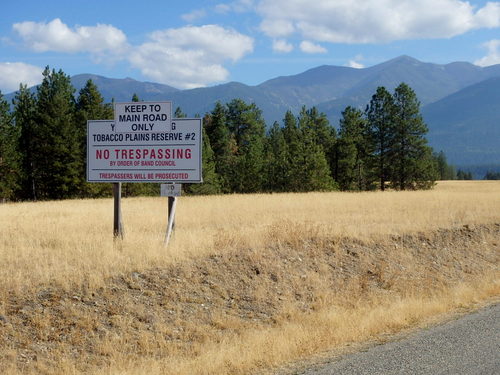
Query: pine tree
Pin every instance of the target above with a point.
(491, 175)
(322, 132)
(248, 128)
(211, 181)
(179, 114)
(462, 175)
(223, 145)
(296, 149)
(90, 106)
(24, 117)
(411, 156)
(55, 148)
(380, 115)
(277, 160)
(351, 153)
(9, 156)
(425, 174)
(309, 168)
(316, 170)
(445, 171)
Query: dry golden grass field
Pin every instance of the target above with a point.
(248, 284)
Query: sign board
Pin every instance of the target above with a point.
(139, 117)
(170, 190)
(144, 156)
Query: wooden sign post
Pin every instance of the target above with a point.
(172, 191)
(172, 204)
(117, 212)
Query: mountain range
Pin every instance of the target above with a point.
(460, 102)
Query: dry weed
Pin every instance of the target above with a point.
(248, 283)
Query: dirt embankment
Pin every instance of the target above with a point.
(174, 314)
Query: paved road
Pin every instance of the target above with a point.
(469, 345)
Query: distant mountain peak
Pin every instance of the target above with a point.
(403, 59)
(406, 58)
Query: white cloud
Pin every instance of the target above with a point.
(194, 15)
(282, 46)
(373, 21)
(493, 56)
(57, 36)
(354, 64)
(185, 57)
(12, 74)
(309, 47)
(238, 6)
(277, 27)
(222, 8)
(190, 56)
(488, 16)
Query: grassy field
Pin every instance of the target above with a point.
(248, 283)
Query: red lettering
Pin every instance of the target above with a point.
(100, 154)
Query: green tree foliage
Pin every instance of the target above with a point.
(278, 160)
(295, 152)
(9, 155)
(463, 175)
(248, 129)
(24, 118)
(351, 151)
(444, 170)
(223, 145)
(90, 106)
(179, 114)
(425, 175)
(322, 132)
(380, 114)
(317, 142)
(296, 155)
(411, 157)
(490, 175)
(56, 157)
(211, 180)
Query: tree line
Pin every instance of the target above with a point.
(43, 146)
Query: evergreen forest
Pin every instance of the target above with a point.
(43, 146)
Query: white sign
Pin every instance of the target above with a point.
(137, 117)
(170, 190)
(147, 156)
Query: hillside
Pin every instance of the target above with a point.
(466, 124)
(121, 90)
(330, 88)
(431, 82)
(333, 88)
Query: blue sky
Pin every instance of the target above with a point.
(189, 44)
